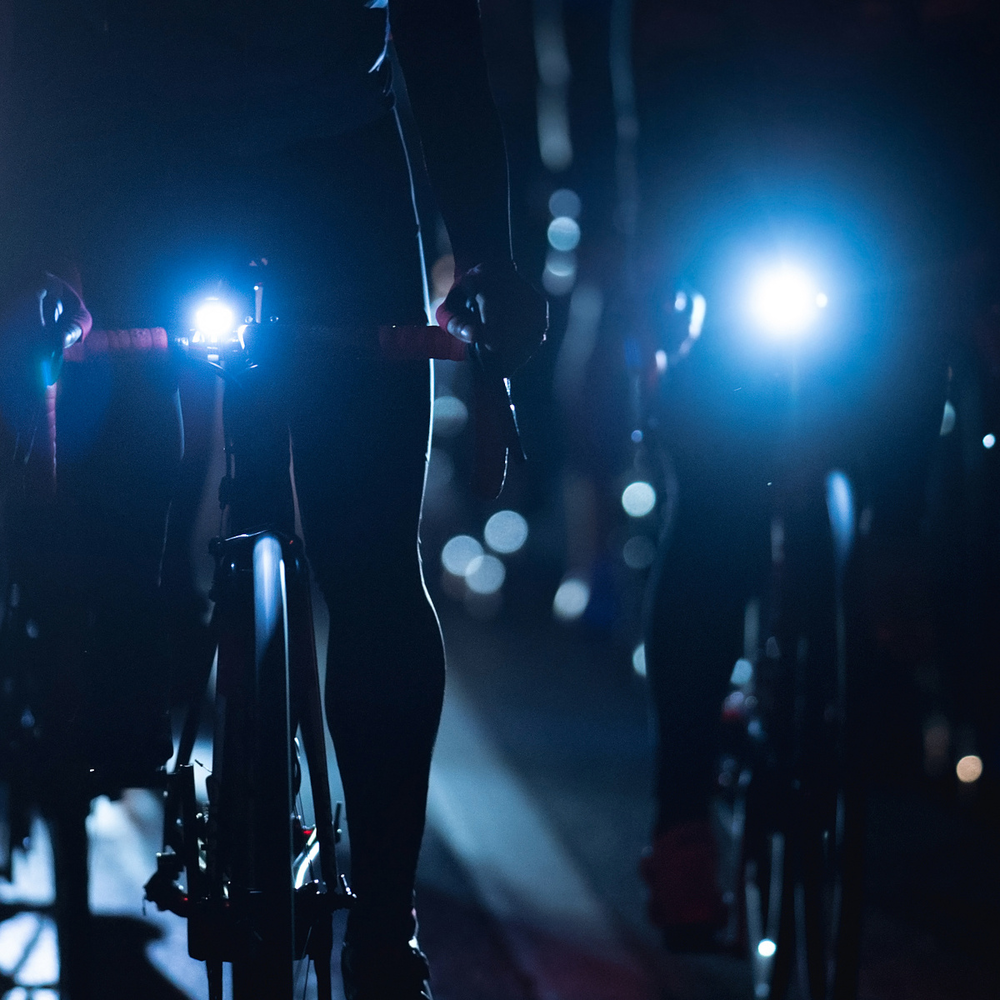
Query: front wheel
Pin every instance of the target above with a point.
(263, 852)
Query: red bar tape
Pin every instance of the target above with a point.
(419, 343)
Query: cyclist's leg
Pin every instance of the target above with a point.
(360, 434)
(694, 635)
(705, 573)
(359, 472)
(119, 448)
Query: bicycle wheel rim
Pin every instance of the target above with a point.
(261, 869)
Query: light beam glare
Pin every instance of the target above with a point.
(784, 300)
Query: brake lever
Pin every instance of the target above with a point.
(497, 389)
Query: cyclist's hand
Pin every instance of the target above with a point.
(43, 320)
(503, 319)
(493, 307)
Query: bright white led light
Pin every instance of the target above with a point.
(989, 441)
(784, 300)
(214, 319)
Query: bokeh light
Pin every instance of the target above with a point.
(937, 745)
(766, 948)
(742, 672)
(571, 599)
(699, 307)
(969, 769)
(506, 532)
(559, 275)
(639, 552)
(639, 659)
(485, 574)
(948, 418)
(459, 552)
(564, 202)
(564, 233)
(638, 499)
(450, 416)
(989, 441)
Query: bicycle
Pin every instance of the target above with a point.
(789, 797)
(261, 883)
(62, 728)
(791, 806)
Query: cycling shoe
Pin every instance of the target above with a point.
(681, 870)
(385, 972)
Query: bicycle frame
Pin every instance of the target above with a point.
(243, 904)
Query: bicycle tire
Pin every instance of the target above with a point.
(256, 788)
(268, 871)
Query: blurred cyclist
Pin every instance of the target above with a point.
(760, 126)
(157, 149)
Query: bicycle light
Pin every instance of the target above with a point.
(785, 300)
(214, 321)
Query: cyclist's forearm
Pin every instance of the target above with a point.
(439, 45)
